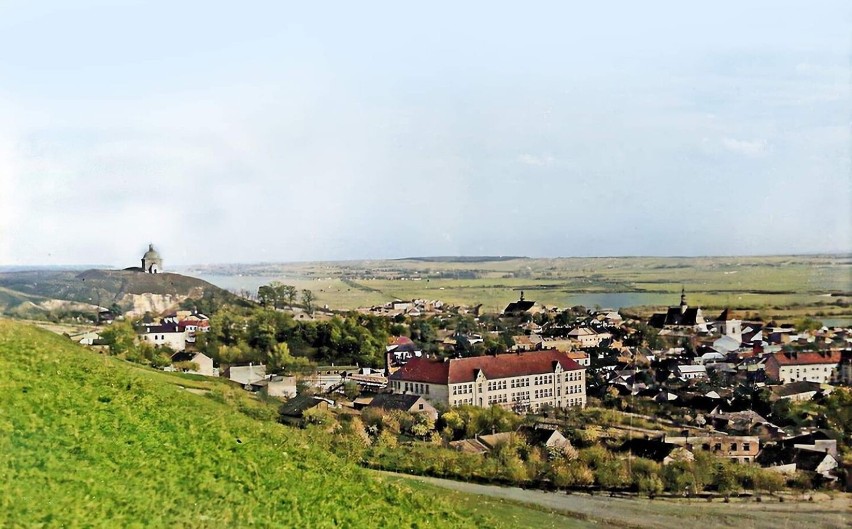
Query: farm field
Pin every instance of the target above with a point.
(773, 287)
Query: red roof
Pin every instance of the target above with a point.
(460, 370)
(807, 358)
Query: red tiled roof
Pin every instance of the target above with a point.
(493, 367)
(807, 358)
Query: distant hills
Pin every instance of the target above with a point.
(463, 258)
(133, 291)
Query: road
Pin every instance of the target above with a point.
(824, 512)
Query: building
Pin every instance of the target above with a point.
(587, 337)
(728, 326)
(203, 363)
(152, 263)
(739, 448)
(681, 317)
(521, 381)
(690, 372)
(517, 308)
(167, 334)
(810, 366)
(409, 403)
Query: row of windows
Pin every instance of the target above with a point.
(520, 382)
(497, 385)
(544, 393)
(543, 379)
(521, 395)
(718, 447)
(417, 387)
(573, 376)
(498, 399)
(575, 388)
(463, 389)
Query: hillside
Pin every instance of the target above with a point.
(133, 291)
(92, 441)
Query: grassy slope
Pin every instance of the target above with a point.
(91, 441)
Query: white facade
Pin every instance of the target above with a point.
(560, 389)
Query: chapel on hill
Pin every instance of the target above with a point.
(152, 263)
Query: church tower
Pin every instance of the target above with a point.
(152, 263)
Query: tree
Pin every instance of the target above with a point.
(280, 359)
(120, 337)
(308, 300)
(351, 390)
(289, 293)
(268, 296)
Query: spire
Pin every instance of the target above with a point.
(522, 295)
(682, 299)
(150, 247)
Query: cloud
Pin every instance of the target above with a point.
(751, 148)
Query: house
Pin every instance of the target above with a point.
(203, 362)
(656, 450)
(278, 386)
(525, 342)
(293, 410)
(813, 366)
(726, 344)
(521, 381)
(482, 444)
(407, 403)
(580, 358)
(729, 327)
(788, 460)
(738, 448)
(794, 391)
(586, 336)
(245, 375)
(545, 437)
(690, 372)
(681, 316)
(167, 334)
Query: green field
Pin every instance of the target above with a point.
(90, 441)
(773, 287)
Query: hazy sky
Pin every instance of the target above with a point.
(272, 131)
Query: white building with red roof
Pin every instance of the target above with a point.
(810, 366)
(521, 381)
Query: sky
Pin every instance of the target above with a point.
(238, 132)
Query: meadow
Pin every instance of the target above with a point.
(772, 287)
(91, 441)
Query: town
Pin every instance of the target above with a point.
(679, 402)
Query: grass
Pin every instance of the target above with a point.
(773, 287)
(91, 441)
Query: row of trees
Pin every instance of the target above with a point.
(276, 338)
(277, 295)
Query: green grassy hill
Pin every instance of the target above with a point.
(90, 441)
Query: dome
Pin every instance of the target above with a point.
(151, 254)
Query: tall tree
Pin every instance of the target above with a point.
(308, 300)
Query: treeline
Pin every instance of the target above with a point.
(412, 443)
(275, 338)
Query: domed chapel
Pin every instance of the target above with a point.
(152, 263)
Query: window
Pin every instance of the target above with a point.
(733, 447)
(420, 406)
(427, 389)
(746, 446)
(717, 447)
